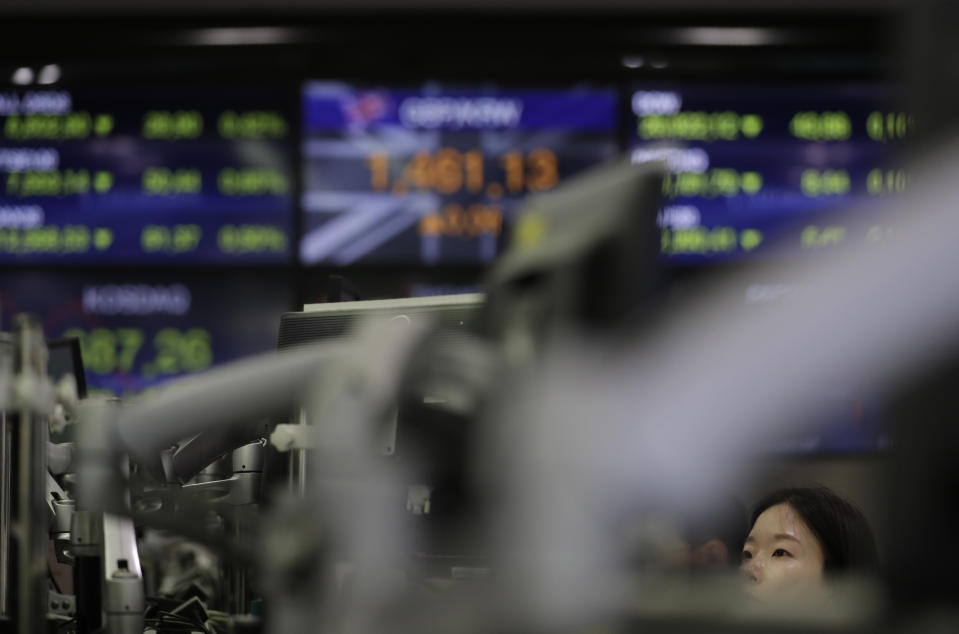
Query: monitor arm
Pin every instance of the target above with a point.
(260, 387)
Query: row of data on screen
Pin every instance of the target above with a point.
(426, 175)
(139, 329)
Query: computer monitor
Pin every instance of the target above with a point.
(584, 255)
(64, 358)
(323, 321)
(430, 441)
(454, 317)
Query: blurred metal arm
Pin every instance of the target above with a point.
(260, 387)
(60, 510)
(196, 454)
(264, 386)
(242, 487)
(59, 457)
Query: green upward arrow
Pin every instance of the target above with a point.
(103, 124)
(749, 239)
(102, 182)
(751, 125)
(102, 239)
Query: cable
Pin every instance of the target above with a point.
(168, 619)
(53, 581)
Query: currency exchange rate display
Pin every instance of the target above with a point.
(144, 176)
(762, 170)
(433, 175)
(140, 329)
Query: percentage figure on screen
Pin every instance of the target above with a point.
(882, 182)
(455, 221)
(889, 126)
(252, 182)
(257, 124)
(241, 239)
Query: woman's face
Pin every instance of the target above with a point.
(782, 558)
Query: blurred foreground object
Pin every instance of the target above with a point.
(582, 422)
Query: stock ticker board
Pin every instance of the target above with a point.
(139, 329)
(433, 175)
(761, 171)
(161, 175)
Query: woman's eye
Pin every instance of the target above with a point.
(747, 555)
(780, 552)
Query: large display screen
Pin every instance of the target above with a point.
(157, 175)
(757, 170)
(139, 329)
(432, 175)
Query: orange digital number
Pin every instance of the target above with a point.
(454, 221)
(543, 170)
(512, 162)
(379, 165)
(448, 171)
(418, 172)
(474, 171)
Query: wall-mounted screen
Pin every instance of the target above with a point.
(158, 175)
(431, 175)
(139, 329)
(761, 169)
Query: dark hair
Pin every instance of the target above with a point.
(841, 528)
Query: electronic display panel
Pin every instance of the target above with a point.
(432, 175)
(845, 416)
(139, 329)
(757, 170)
(149, 175)
(855, 425)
